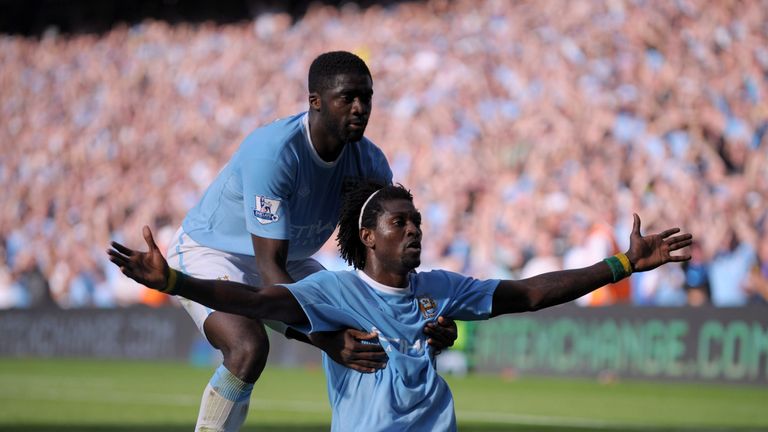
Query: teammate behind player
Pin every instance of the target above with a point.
(273, 205)
(380, 235)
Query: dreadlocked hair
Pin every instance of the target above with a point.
(325, 68)
(351, 248)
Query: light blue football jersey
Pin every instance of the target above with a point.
(277, 186)
(408, 394)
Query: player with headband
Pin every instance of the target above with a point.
(380, 235)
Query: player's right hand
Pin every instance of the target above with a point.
(147, 268)
(352, 348)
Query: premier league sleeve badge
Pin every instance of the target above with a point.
(265, 210)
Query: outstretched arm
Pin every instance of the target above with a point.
(551, 289)
(150, 269)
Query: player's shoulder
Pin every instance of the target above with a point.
(315, 282)
(338, 281)
(367, 146)
(432, 274)
(374, 160)
(327, 276)
(343, 277)
(289, 123)
(273, 137)
(437, 277)
(324, 284)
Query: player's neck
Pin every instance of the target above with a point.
(328, 153)
(395, 279)
(326, 147)
(378, 286)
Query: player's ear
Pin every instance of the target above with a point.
(314, 101)
(368, 237)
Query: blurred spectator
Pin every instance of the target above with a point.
(514, 123)
(29, 283)
(756, 283)
(697, 278)
(543, 258)
(659, 288)
(731, 265)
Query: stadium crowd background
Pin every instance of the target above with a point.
(528, 131)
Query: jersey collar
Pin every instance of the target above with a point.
(386, 289)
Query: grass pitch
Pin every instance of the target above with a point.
(88, 395)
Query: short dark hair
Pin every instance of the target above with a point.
(351, 248)
(327, 66)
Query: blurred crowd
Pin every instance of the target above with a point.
(528, 131)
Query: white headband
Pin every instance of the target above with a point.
(362, 210)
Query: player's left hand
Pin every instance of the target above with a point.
(442, 334)
(147, 268)
(648, 252)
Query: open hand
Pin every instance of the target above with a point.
(147, 268)
(352, 348)
(648, 252)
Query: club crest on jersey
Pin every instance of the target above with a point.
(266, 210)
(428, 307)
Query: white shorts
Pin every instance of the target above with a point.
(194, 259)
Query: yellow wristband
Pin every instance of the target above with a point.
(171, 283)
(624, 263)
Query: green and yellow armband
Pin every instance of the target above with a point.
(170, 284)
(620, 266)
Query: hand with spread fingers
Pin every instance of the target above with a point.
(147, 268)
(648, 252)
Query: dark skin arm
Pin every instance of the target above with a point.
(551, 289)
(150, 269)
(271, 259)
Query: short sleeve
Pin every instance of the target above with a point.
(469, 299)
(318, 295)
(267, 186)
